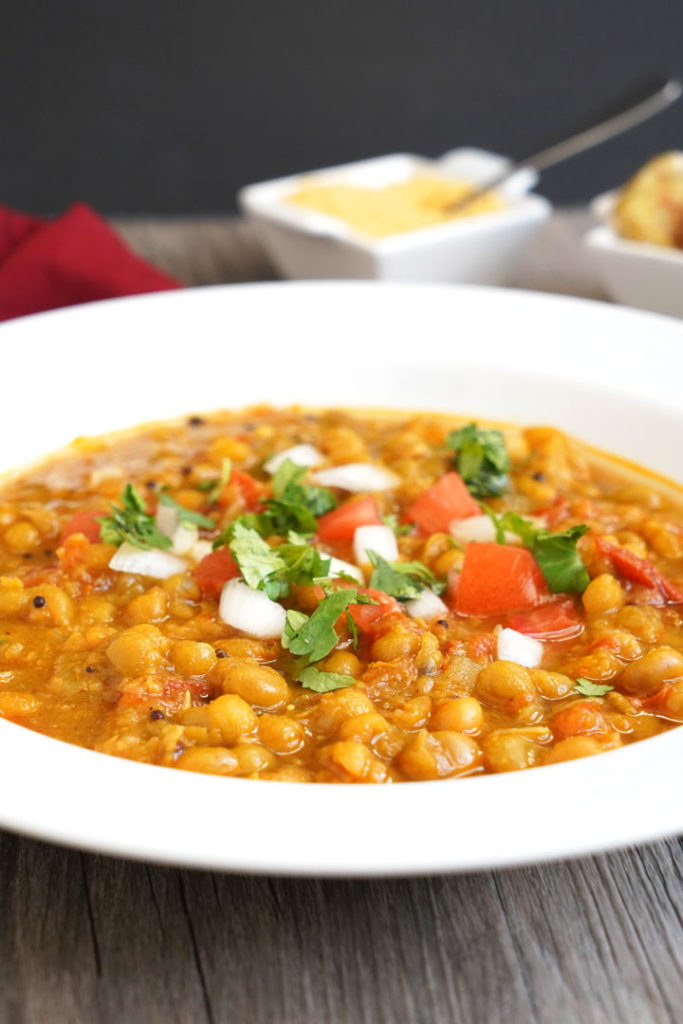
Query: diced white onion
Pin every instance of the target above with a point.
(155, 563)
(339, 566)
(299, 454)
(200, 549)
(357, 477)
(380, 539)
(167, 519)
(184, 538)
(478, 528)
(252, 611)
(427, 606)
(517, 647)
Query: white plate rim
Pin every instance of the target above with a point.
(103, 804)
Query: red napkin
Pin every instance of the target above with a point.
(74, 258)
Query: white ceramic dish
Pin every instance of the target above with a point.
(476, 250)
(610, 375)
(635, 273)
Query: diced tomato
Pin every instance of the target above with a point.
(250, 491)
(581, 719)
(496, 578)
(366, 616)
(446, 500)
(85, 522)
(639, 570)
(341, 523)
(554, 621)
(214, 570)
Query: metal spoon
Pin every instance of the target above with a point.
(648, 99)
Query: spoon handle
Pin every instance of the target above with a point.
(629, 110)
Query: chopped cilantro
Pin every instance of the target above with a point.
(557, 554)
(323, 682)
(589, 689)
(353, 629)
(214, 487)
(274, 569)
(293, 507)
(186, 516)
(132, 522)
(402, 580)
(481, 459)
(314, 636)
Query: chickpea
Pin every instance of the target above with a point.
(510, 752)
(603, 594)
(439, 754)
(646, 676)
(58, 604)
(151, 606)
(213, 760)
(334, 707)
(191, 658)
(13, 597)
(232, 716)
(463, 714)
(673, 703)
(414, 714)
(571, 748)
(399, 641)
(644, 622)
(353, 761)
(344, 662)
(551, 685)
(135, 651)
(281, 733)
(259, 685)
(364, 728)
(505, 685)
(451, 559)
(429, 657)
(253, 758)
(21, 538)
(247, 649)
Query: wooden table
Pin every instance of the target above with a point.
(87, 939)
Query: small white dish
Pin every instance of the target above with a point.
(474, 250)
(635, 273)
(475, 351)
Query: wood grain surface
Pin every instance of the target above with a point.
(86, 939)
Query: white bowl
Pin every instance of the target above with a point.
(635, 273)
(475, 250)
(476, 351)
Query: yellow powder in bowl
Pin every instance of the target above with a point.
(419, 202)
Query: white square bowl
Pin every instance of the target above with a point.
(635, 273)
(475, 250)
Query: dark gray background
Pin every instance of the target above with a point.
(171, 105)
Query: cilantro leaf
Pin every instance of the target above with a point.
(294, 505)
(214, 487)
(353, 629)
(481, 459)
(589, 689)
(131, 522)
(402, 580)
(274, 570)
(559, 560)
(314, 636)
(556, 554)
(323, 682)
(186, 516)
(256, 559)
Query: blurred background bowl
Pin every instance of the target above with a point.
(476, 249)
